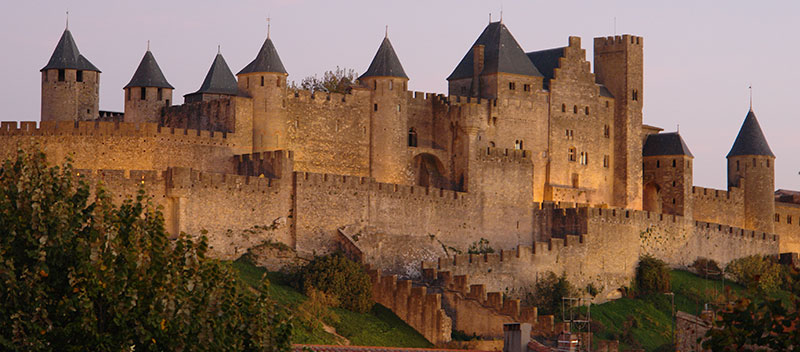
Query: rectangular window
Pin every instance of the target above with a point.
(777, 218)
(788, 219)
(605, 161)
(375, 107)
(79, 76)
(160, 94)
(512, 85)
(526, 87)
(391, 85)
(62, 75)
(143, 93)
(128, 94)
(262, 81)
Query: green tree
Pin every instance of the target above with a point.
(340, 80)
(547, 293)
(79, 273)
(652, 275)
(756, 271)
(341, 278)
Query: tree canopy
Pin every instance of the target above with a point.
(78, 272)
(340, 80)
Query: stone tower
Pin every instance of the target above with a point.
(667, 172)
(618, 64)
(219, 83)
(147, 93)
(264, 79)
(388, 84)
(495, 66)
(751, 166)
(70, 84)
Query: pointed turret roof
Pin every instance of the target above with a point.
(220, 79)
(68, 56)
(385, 63)
(501, 53)
(267, 60)
(750, 140)
(665, 144)
(148, 74)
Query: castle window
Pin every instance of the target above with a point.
(398, 107)
(375, 85)
(584, 158)
(160, 94)
(673, 183)
(673, 200)
(606, 131)
(737, 165)
(262, 81)
(128, 94)
(526, 87)
(143, 94)
(658, 163)
(62, 75)
(635, 95)
(248, 82)
(375, 107)
(412, 137)
(494, 121)
(512, 85)
(673, 162)
(777, 218)
(754, 162)
(167, 103)
(573, 154)
(788, 219)
(278, 82)
(575, 109)
(606, 104)
(491, 144)
(575, 180)
(605, 161)
(768, 163)
(586, 110)
(391, 85)
(563, 107)
(518, 144)
(79, 76)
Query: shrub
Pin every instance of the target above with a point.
(315, 311)
(756, 271)
(547, 293)
(652, 275)
(342, 279)
(707, 268)
(480, 247)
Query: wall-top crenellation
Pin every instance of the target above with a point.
(504, 155)
(185, 178)
(619, 41)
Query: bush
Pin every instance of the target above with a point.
(707, 268)
(756, 271)
(547, 293)
(480, 247)
(652, 275)
(316, 311)
(340, 278)
(80, 273)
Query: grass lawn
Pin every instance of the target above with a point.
(378, 327)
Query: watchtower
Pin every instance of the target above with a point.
(618, 64)
(388, 85)
(667, 172)
(148, 92)
(70, 84)
(751, 166)
(264, 79)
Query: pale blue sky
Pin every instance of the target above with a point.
(700, 56)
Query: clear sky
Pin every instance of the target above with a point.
(700, 56)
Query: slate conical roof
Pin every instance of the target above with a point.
(751, 140)
(385, 63)
(267, 60)
(502, 54)
(148, 74)
(665, 144)
(220, 79)
(67, 55)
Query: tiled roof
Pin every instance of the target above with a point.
(546, 61)
(220, 79)
(750, 140)
(385, 63)
(66, 55)
(502, 54)
(267, 60)
(665, 144)
(148, 74)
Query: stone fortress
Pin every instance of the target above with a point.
(533, 151)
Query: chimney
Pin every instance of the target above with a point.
(516, 337)
(477, 68)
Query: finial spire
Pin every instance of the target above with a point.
(219, 49)
(751, 96)
(268, 25)
(501, 12)
(148, 45)
(387, 32)
(67, 27)
(490, 17)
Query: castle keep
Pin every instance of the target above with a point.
(534, 151)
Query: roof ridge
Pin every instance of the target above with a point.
(385, 63)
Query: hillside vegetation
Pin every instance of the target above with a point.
(377, 327)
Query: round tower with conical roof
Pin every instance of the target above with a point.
(751, 166)
(264, 79)
(148, 92)
(388, 85)
(70, 84)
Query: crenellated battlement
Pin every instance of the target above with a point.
(330, 100)
(504, 155)
(716, 194)
(617, 42)
(115, 129)
(185, 178)
(135, 176)
(425, 97)
(520, 254)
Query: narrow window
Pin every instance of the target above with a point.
(262, 81)
(563, 107)
(737, 165)
(673, 183)
(575, 109)
(658, 163)
(586, 110)
(673, 163)
(160, 94)
(391, 85)
(278, 82)
(635, 95)
(566, 134)
(128, 94)
(572, 154)
(248, 82)
(494, 121)
(767, 162)
(512, 86)
(673, 200)
(754, 162)
(788, 219)
(518, 144)
(606, 104)
(412, 137)
(375, 107)
(167, 103)
(375, 85)
(398, 107)
(62, 75)
(605, 161)
(777, 218)
(79, 76)
(606, 131)
(143, 93)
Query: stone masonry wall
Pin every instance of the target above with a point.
(787, 224)
(718, 206)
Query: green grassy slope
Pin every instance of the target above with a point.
(378, 327)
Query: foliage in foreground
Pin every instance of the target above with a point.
(80, 273)
(342, 279)
(652, 275)
(547, 293)
(756, 271)
(340, 80)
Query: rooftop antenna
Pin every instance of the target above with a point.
(751, 96)
(268, 25)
